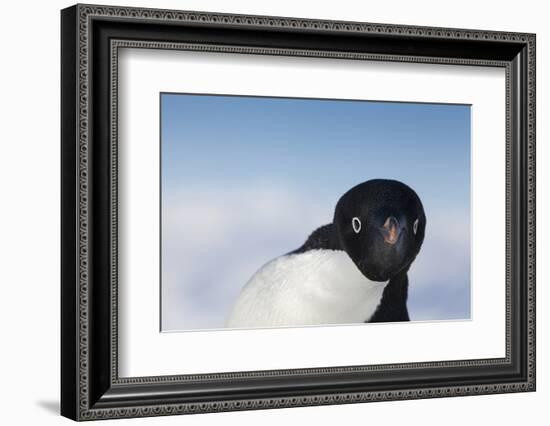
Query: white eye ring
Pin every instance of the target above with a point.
(415, 226)
(356, 224)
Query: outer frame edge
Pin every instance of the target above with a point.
(68, 181)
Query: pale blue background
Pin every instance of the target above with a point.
(246, 179)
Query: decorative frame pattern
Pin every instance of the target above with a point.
(84, 397)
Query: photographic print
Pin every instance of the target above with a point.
(281, 212)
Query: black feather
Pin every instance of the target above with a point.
(323, 238)
(393, 306)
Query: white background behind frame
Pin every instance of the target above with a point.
(144, 351)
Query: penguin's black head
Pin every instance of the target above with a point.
(380, 224)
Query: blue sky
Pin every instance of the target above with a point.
(245, 179)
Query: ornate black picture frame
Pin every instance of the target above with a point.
(90, 385)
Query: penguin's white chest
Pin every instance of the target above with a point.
(315, 287)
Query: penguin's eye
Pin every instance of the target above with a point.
(356, 224)
(415, 226)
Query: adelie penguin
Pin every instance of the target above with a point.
(352, 270)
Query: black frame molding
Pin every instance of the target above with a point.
(90, 38)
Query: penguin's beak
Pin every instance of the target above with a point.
(391, 230)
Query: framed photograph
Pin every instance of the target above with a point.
(263, 212)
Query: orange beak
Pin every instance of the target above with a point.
(390, 231)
